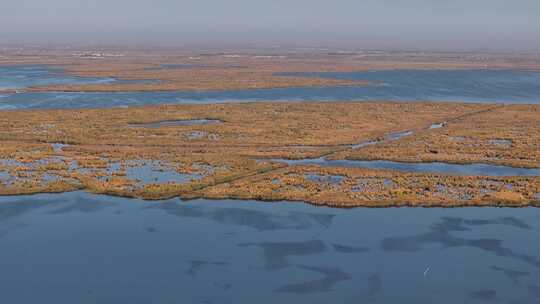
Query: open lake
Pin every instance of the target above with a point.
(23, 76)
(500, 86)
(84, 248)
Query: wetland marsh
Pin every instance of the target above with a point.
(237, 179)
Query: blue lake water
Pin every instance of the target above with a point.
(478, 169)
(84, 248)
(501, 86)
(23, 76)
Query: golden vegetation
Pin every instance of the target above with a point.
(506, 135)
(107, 154)
(352, 187)
(233, 69)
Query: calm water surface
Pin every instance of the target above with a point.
(19, 77)
(83, 248)
(424, 167)
(23, 76)
(501, 86)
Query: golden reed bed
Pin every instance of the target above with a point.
(226, 159)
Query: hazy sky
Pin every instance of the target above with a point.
(510, 24)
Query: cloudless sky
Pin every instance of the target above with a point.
(458, 24)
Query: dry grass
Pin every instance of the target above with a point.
(380, 188)
(508, 135)
(224, 155)
(256, 69)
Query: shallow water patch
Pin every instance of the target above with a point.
(458, 138)
(437, 125)
(195, 135)
(173, 123)
(389, 137)
(5, 178)
(325, 179)
(157, 172)
(506, 143)
(373, 184)
(427, 167)
(398, 135)
(454, 193)
(57, 147)
(365, 144)
(22, 76)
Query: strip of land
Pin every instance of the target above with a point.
(157, 152)
(193, 70)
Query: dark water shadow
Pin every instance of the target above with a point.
(15, 207)
(514, 275)
(259, 220)
(440, 233)
(349, 249)
(534, 290)
(374, 285)
(85, 206)
(276, 253)
(195, 266)
(331, 277)
(486, 295)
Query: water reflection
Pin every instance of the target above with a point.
(374, 285)
(514, 275)
(276, 253)
(197, 265)
(331, 276)
(535, 290)
(20, 77)
(440, 233)
(260, 220)
(349, 249)
(228, 251)
(486, 295)
(15, 209)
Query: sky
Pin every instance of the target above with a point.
(430, 24)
